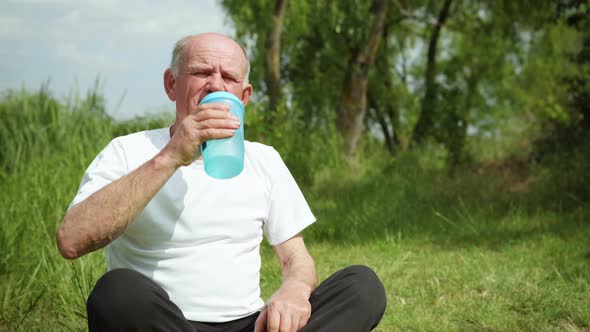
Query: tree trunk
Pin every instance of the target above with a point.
(273, 57)
(395, 127)
(384, 110)
(352, 106)
(382, 120)
(459, 125)
(426, 119)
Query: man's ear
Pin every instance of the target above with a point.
(169, 81)
(246, 93)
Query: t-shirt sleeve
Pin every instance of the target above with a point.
(289, 213)
(107, 167)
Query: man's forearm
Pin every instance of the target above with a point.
(102, 217)
(299, 271)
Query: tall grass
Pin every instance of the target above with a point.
(46, 146)
(500, 246)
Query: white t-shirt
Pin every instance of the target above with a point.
(199, 237)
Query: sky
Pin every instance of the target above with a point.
(127, 44)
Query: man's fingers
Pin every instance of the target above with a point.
(260, 321)
(208, 134)
(219, 124)
(213, 114)
(295, 323)
(285, 323)
(273, 321)
(211, 106)
(303, 321)
(212, 109)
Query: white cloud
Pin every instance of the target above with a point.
(70, 54)
(13, 27)
(45, 2)
(127, 42)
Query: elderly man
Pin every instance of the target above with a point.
(182, 248)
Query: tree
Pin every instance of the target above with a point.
(425, 121)
(352, 107)
(273, 57)
(381, 95)
(338, 61)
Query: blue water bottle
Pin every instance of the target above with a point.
(224, 158)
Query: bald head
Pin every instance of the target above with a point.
(181, 48)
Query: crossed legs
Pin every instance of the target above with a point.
(352, 299)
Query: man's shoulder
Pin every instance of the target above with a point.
(143, 135)
(256, 150)
(264, 158)
(257, 147)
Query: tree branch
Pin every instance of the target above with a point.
(405, 14)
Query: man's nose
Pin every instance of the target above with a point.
(215, 82)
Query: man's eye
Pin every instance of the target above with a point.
(199, 74)
(230, 79)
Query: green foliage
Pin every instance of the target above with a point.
(541, 89)
(565, 177)
(306, 151)
(316, 41)
(574, 15)
(499, 64)
(46, 146)
(26, 119)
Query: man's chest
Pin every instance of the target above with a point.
(193, 208)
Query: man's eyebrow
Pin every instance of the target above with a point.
(232, 72)
(199, 66)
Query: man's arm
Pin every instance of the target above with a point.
(104, 215)
(289, 309)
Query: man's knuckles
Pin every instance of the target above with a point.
(288, 307)
(216, 123)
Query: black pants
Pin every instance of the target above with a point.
(352, 299)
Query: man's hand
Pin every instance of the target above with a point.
(206, 122)
(287, 310)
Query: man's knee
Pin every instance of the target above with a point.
(366, 289)
(119, 291)
(126, 300)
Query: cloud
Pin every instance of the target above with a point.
(111, 26)
(70, 54)
(127, 42)
(13, 27)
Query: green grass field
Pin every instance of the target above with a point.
(499, 246)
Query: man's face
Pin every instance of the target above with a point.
(208, 63)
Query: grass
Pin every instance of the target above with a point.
(501, 246)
